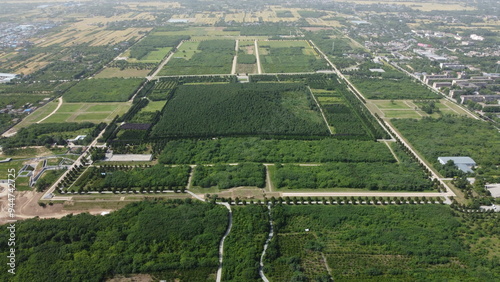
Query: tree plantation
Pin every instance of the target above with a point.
(167, 240)
(240, 109)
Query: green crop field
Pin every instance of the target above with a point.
(240, 109)
(367, 243)
(80, 112)
(205, 57)
(154, 106)
(289, 56)
(103, 90)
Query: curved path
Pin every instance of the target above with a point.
(54, 111)
(221, 246)
(271, 233)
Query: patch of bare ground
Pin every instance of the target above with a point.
(26, 206)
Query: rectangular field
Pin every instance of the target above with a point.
(205, 57)
(375, 243)
(80, 112)
(122, 73)
(103, 90)
(289, 56)
(240, 109)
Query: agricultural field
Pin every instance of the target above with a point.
(122, 73)
(390, 85)
(81, 112)
(247, 61)
(162, 90)
(243, 247)
(340, 115)
(398, 109)
(371, 176)
(229, 176)
(185, 236)
(103, 90)
(289, 57)
(153, 48)
(195, 32)
(112, 178)
(229, 150)
(240, 109)
(392, 243)
(204, 57)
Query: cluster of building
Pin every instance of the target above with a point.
(16, 36)
(28, 108)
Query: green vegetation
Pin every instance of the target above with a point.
(289, 56)
(284, 14)
(246, 59)
(48, 178)
(211, 57)
(391, 84)
(103, 90)
(115, 178)
(372, 176)
(154, 43)
(455, 136)
(392, 243)
(252, 149)
(263, 29)
(170, 240)
(240, 109)
(46, 134)
(228, 176)
(311, 14)
(243, 246)
(161, 90)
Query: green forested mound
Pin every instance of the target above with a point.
(393, 243)
(240, 109)
(233, 150)
(170, 241)
(244, 245)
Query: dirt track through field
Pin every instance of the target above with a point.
(54, 111)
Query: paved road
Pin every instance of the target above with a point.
(392, 131)
(259, 69)
(221, 245)
(160, 67)
(48, 195)
(269, 237)
(235, 59)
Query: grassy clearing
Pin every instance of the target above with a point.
(92, 112)
(154, 106)
(97, 117)
(37, 115)
(402, 114)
